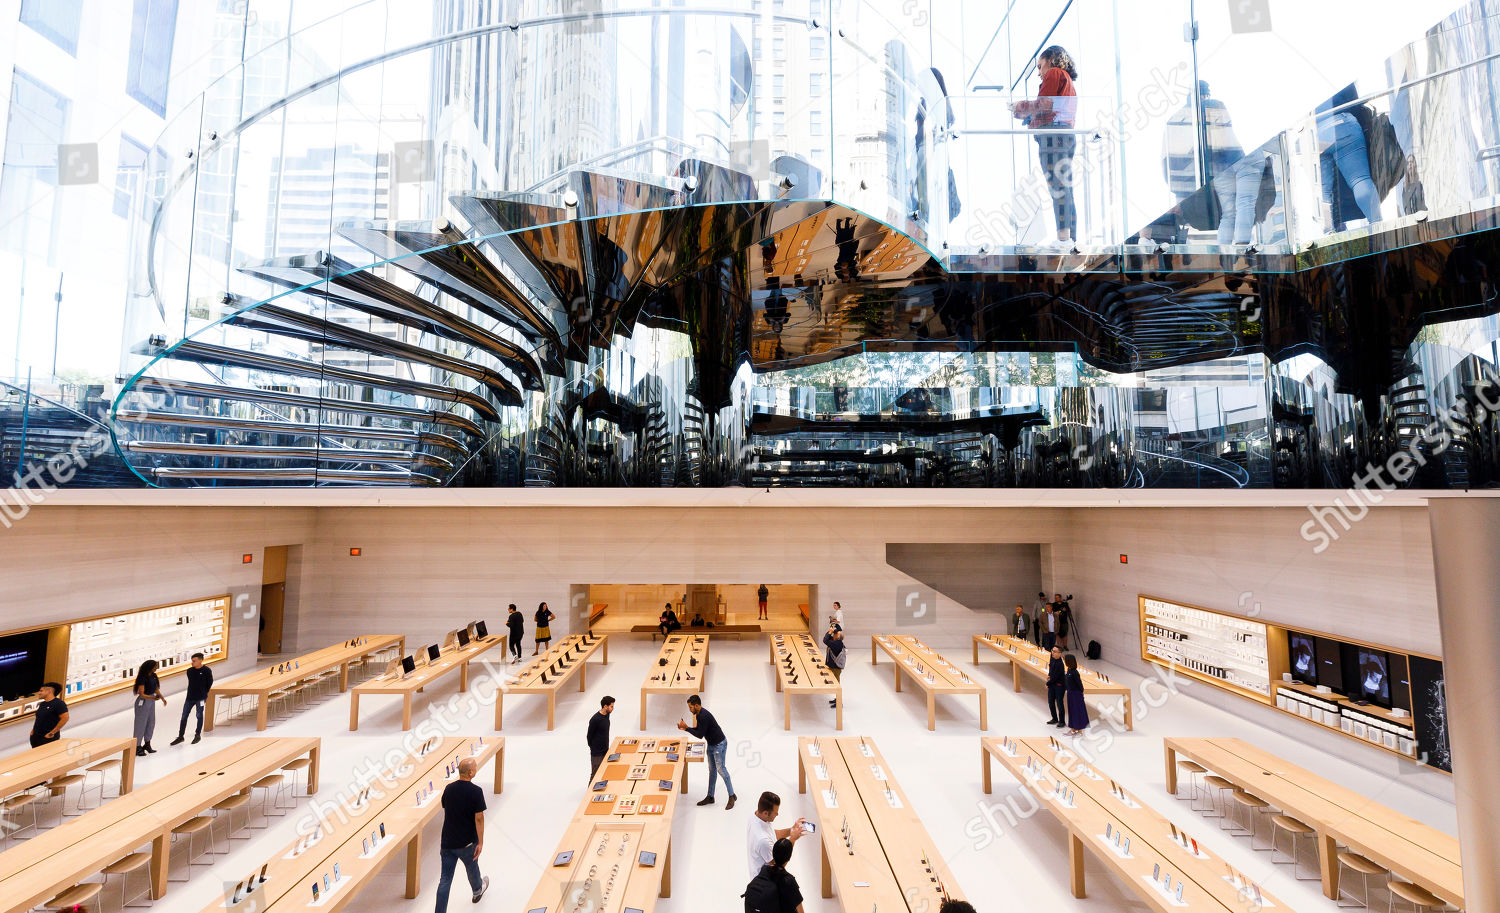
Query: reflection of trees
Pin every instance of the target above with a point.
(934, 370)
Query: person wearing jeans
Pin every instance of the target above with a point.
(463, 833)
(200, 681)
(705, 727)
(1344, 158)
(1055, 109)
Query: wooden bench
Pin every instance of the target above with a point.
(876, 853)
(798, 660)
(681, 667)
(1411, 850)
(262, 682)
(934, 674)
(1090, 805)
(61, 857)
(547, 673)
(1025, 656)
(717, 630)
(392, 802)
(805, 611)
(450, 660)
(24, 769)
(596, 612)
(601, 837)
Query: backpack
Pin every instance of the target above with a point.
(761, 895)
(1093, 651)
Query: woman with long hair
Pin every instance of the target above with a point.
(1078, 711)
(147, 693)
(1055, 108)
(543, 620)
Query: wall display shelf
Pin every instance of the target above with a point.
(100, 655)
(1255, 659)
(1227, 650)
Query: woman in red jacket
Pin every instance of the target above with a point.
(1055, 108)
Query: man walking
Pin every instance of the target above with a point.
(1057, 689)
(200, 680)
(516, 623)
(705, 727)
(463, 833)
(51, 716)
(599, 734)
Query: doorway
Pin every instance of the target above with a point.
(619, 607)
(273, 599)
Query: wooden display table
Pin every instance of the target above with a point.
(260, 683)
(454, 658)
(346, 838)
(876, 853)
(548, 672)
(25, 769)
(1027, 657)
(1411, 850)
(934, 674)
(798, 660)
(1090, 805)
(59, 858)
(681, 667)
(606, 842)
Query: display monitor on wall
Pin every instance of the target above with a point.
(1304, 657)
(1331, 664)
(433, 652)
(23, 664)
(1375, 676)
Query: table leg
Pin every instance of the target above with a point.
(262, 702)
(666, 871)
(685, 767)
(343, 676)
(838, 710)
(827, 870)
(976, 651)
(161, 854)
(314, 754)
(463, 676)
(1015, 674)
(873, 662)
(786, 710)
(605, 647)
(499, 705)
(583, 673)
(414, 866)
(354, 712)
(801, 775)
(551, 709)
(897, 667)
(1328, 864)
(771, 650)
(708, 649)
(127, 772)
(1075, 864)
(208, 710)
(406, 711)
(500, 770)
(1171, 759)
(643, 710)
(1129, 715)
(984, 713)
(931, 712)
(984, 768)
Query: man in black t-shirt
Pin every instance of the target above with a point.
(599, 734)
(705, 727)
(517, 625)
(200, 680)
(51, 716)
(463, 832)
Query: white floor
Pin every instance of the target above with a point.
(998, 866)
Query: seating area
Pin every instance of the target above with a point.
(547, 673)
(928, 669)
(1387, 852)
(1026, 657)
(35, 785)
(738, 630)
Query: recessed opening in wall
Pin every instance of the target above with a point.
(620, 607)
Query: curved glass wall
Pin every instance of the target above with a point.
(802, 242)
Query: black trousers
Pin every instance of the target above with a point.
(1057, 702)
(515, 645)
(37, 741)
(594, 761)
(1049, 640)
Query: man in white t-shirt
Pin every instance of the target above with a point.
(762, 833)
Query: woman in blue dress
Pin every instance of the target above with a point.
(1078, 711)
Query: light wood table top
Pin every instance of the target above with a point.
(392, 801)
(606, 871)
(1416, 852)
(547, 673)
(24, 769)
(262, 682)
(681, 667)
(1027, 657)
(1091, 805)
(930, 670)
(876, 852)
(59, 858)
(798, 661)
(450, 660)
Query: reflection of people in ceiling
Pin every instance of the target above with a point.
(847, 266)
(777, 311)
(919, 181)
(1344, 159)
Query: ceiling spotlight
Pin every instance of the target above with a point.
(213, 135)
(1420, 215)
(916, 216)
(1161, 248)
(570, 199)
(863, 186)
(1251, 250)
(690, 183)
(786, 183)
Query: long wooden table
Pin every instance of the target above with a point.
(876, 853)
(450, 660)
(262, 682)
(932, 673)
(548, 672)
(1027, 657)
(681, 667)
(392, 802)
(1090, 805)
(24, 769)
(1416, 852)
(800, 669)
(601, 838)
(59, 858)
